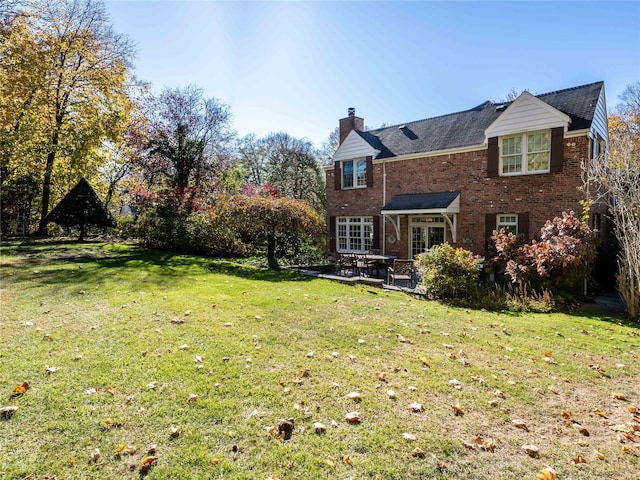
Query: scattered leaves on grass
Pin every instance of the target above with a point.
(126, 449)
(21, 389)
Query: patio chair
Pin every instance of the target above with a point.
(401, 270)
(348, 262)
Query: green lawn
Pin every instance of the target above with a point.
(116, 342)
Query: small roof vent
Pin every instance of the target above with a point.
(401, 127)
(351, 112)
(500, 108)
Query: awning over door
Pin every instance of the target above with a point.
(446, 204)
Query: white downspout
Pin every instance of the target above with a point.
(384, 202)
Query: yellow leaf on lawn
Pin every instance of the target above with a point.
(459, 411)
(417, 452)
(347, 459)
(111, 390)
(618, 396)
(600, 412)
(547, 474)
(215, 461)
(598, 455)
(566, 414)
(21, 389)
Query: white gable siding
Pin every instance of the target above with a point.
(354, 146)
(599, 123)
(527, 113)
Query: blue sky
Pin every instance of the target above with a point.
(296, 67)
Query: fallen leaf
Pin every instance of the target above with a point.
(94, 456)
(409, 436)
(548, 474)
(618, 396)
(198, 359)
(183, 346)
(458, 410)
(90, 391)
(391, 393)
(381, 376)
(532, 450)
(175, 431)
(151, 448)
(347, 459)
(600, 412)
(122, 448)
(147, 463)
(192, 398)
(319, 427)
(488, 444)
(352, 417)
(355, 396)
(416, 407)
(520, 424)
(21, 389)
(468, 445)
(153, 384)
(285, 428)
(215, 461)
(6, 412)
(566, 414)
(417, 452)
(455, 383)
(51, 370)
(579, 459)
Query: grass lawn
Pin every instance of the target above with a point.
(124, 348)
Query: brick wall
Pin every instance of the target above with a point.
(542, 196)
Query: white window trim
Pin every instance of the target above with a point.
(500, 224)
(355, 177)
(524, 149)
(348, 220)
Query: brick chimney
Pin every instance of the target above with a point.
(351, 122)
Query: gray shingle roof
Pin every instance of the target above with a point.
(421, 201)
(467, 128)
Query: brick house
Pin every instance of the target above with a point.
(457, 177)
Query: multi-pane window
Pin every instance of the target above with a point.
(507, 221)
(354, 234)
(354, 173)
(528, 153)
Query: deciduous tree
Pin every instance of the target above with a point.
(63, 89)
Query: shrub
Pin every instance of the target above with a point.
(448, 272)
(560, 256)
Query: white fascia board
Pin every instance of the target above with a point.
(354, 146)
(578, 133)
(556, 117)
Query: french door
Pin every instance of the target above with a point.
(425, 232)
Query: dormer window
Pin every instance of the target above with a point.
(525, 153)
(354, 173)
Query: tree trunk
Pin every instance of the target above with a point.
(46, 183)
(83, 227)
(271, 251)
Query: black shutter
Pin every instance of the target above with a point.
(332, 234)
(523, 224)
(557, 149)
(337, 175)
(492, 157)
(375, 245)
(490, 224)
(369, 171)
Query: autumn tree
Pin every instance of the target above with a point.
(287, 163)
(613, 179)
(265, 214)
(64, 74)
(190, 138)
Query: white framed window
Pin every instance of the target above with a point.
(508, 221)
(354, 173)
(354, 234)
(525, 153)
